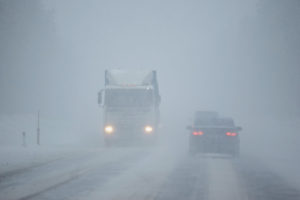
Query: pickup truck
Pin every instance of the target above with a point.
(213, 134)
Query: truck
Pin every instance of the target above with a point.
(130, 101)
(211, 133)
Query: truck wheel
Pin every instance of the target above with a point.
(192, 150)
(236, 151)
(108, 143)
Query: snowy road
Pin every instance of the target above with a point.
(144, 174)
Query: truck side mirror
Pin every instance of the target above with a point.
(100, 98)
(239, 128)
(158, 100)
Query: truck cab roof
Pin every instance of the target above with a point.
(117, 77)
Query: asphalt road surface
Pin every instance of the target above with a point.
(126, 173)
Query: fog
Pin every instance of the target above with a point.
(240, 58)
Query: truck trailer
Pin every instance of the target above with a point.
(130, 101)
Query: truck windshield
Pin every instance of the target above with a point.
(129, 97)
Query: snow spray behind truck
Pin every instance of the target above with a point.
(130, 101)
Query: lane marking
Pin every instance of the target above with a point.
(223, 180)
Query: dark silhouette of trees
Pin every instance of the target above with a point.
(27, 51)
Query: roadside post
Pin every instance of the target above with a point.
(24, 138)
(38, 129)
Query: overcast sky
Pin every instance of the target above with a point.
(208, 56)
(190, 43)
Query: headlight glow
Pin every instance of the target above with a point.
(148, 129)
(108, 129)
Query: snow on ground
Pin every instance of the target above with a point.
(58, 139)
(284, 165)
(275, 143)
(17, 158)
(133, 173)
(68, 164)
(53, 130)
(144, 180)
(223, 180)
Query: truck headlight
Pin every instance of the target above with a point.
(108, 129)
(148, 129)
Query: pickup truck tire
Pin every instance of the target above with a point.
(235, 151)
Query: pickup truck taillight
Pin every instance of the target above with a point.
(197, 133)
(231, 134)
